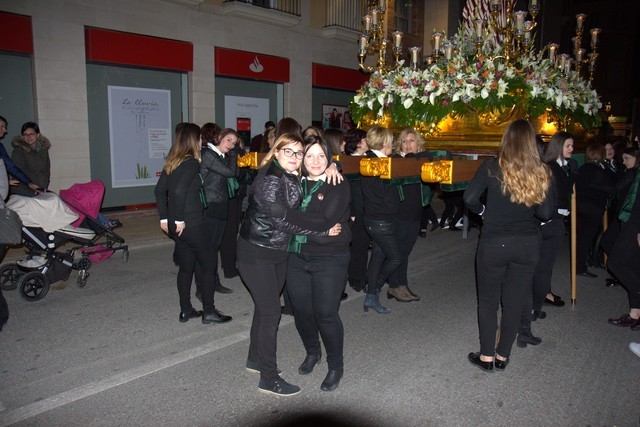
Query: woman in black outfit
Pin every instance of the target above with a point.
(181, 201)
(593, 187)
(563, 171)
(409, 144)
(218, 169)
(519, 195)
(359, 249)
(381, 208)
(262, 254)
(317, 270)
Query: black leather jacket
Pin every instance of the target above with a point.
(215, 172)
(273, 185)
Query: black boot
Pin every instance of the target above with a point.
(309, 362)
(332, 379)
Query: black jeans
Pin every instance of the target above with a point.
(385, 255)
(624, 261)
(265, 281)
(589, 225)
(228, 257)
(552, 235)
(214, 229)
(315, 284)
(406, 234)
(505, 266)
(194, 247)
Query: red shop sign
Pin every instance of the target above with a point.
(251, 65)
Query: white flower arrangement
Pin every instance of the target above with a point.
(470, 84)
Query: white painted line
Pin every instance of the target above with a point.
(64, 398)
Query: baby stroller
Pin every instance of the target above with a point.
(48, 225)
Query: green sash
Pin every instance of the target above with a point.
(295, 244)
(625, 211)
(201, 193)
(232, 182)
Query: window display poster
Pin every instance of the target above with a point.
(139, 134)
(256, 110)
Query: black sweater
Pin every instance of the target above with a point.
(329, 206)
(593, 188)
(381, 200)
(178, 194)
(501, 216)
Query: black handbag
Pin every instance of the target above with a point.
(10, 227)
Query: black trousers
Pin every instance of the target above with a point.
(228, 252)
(315, 284)
(406, 234)
(624, 261)
(505, 266)
(385, 254)
(359, 251)
(552, 235)
(588, 227)
(453, 207)
(265, 281)
(193, 248)
(214, 228)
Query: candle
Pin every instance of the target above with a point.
(448, 51)
(479, 26)
(397, 39)
(363, 44)
(414, 56)
(562, 59)
(436, 41)
(580, 17)
(520, 16)
(533, 2)
(382, 5)
(367, 23)
(383, 49)
(527, 36)
(580, 54)
(594, 37)
(576, 43)
(553, 48)
(567, 65)
(496, 5)
(374, 17)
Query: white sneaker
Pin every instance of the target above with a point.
(635, 348)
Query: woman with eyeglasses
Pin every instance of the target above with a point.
(263, 243)
(31, 155)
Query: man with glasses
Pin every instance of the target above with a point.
(31, 155)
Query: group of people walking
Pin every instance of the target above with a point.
(306, 231)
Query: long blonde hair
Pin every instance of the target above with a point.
(281, 142)
(405, 134)
(187, 145)
(524, 175)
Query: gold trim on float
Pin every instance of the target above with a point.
(440, 171)
(376, 167)
(248, 160)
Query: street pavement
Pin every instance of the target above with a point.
(114, 354)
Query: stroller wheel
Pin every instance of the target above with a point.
(83, 276)
(33, 286)
(9, 276)
(125, 255)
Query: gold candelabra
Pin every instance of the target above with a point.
(373, 40)
(513, 27)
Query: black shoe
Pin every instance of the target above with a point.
(185, 316)
(309, 362)
(555, 301)
(215, 317)
(501, 365)
(223, 289)
(344, 296)
(474, 358)
(587, 273)
(332, 379)
(278, 387)
(610, 282)
(525, 338)
(538, 314)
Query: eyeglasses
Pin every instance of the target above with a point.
(29, 134)
(288, 152)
